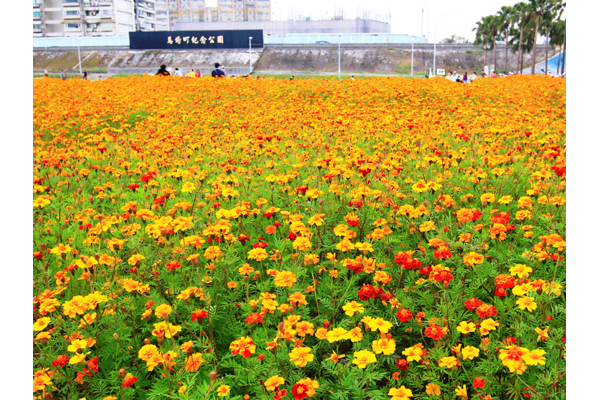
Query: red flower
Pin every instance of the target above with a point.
(442, 252)
(472, 304)
(129, 380)
(172, 266)
(37, 255)
(60, 361)
(243, 238)
(292, 235)
(435, 332)
(199, 315)
(254, 318)
(504, 281)
(365, 292)
(280, 394)
(93, 364)
(402, 364)
(486, 311)
(356, 204)
(509, 341)
(133, 186)
(479, 383)
(300, 391)
(443, 276)
(404, 315)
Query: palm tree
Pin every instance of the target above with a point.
(495, 27)
(553, 13)
(522, 15)
(505, 15)
(483, 35)
(541, 10)
(558, 32)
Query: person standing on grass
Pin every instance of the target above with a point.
(198, 73)
(162, 71)
(190, 74)
(84, 75)
(63, 75)
(218, 72)
(46, 73)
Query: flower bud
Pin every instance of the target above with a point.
(213, 376)
(48, 396)
(146, 341)
(115, 336)
(122, 373)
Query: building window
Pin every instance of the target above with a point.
(37, 26)
(71, 13)
(36, 14)
(71, 1)
(106, 12)
(74, 26)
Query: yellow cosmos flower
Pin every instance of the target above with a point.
(363, 358)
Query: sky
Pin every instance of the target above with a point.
(411, 17)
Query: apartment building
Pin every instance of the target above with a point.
(152, 15)
(244, 10)
(60, 18)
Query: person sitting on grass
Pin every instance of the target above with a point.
(163, 71)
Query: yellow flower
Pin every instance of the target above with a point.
(401, 393)
(188, 187)
(527, 303)
(316, 220)
(273, 382)
(466, 327)
(385, 346)
(363, 357)
(461, 391)
(213, 252)
(449, 362)
(487, 325)
(223, 390)
(41, 324)
(353, 307)
(335, 357)
(433, 389)
(76, 345)
(302, 243)
(77, 358)
(413, 353)
(535, 357)
(301, 356)
(354, 335)
(257, 254)
(285, 279)
(336, 335)
(470, 352)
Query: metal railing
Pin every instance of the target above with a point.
(86, 41)
(346, 38)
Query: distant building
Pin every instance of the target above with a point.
(60, 18)
(283, 28)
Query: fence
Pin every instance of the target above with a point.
(312, 38)
(346, 38)
(85, 41)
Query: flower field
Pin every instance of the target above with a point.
(256, 239)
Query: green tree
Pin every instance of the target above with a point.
(506, 16)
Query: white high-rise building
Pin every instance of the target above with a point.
(66, 18)
(152, 15)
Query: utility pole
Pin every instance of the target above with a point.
(562, 71)
(435, 41)
(250, 53)
(412, 57)
(340, 57)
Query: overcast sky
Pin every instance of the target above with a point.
(406, 15)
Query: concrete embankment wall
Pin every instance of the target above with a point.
(391, 59)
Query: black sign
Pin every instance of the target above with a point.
(195, 40)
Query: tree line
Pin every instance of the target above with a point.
(519, 26)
